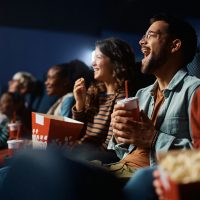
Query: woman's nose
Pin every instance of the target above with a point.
(93, 63)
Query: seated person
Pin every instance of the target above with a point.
(165, 116)
(59, 82)
(113, 64)
(23, 83)
(11, 110)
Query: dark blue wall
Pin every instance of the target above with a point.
(35, 51)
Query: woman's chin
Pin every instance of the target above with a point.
(96, 77)
(49, 93)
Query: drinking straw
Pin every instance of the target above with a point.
(126, 88)
(18, 132)
(19, 129)
(14, 116)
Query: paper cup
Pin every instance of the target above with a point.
(14, 130)
(14, 144)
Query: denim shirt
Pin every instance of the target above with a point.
(173, 120)
(67, 104)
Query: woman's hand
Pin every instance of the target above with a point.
(80, 94)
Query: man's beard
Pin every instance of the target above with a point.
(152, 64)
(149, 67)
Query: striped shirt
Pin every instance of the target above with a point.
(98, 130)
(4, 134)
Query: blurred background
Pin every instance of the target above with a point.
(34, 35)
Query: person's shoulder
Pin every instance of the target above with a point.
(192, 81)
(68, 99)
(68, 96)
(192, 78)
(144, 93)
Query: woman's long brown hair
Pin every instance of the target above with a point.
(122, 56)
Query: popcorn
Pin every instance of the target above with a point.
(182, 166)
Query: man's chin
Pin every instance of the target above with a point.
(146, 68)
(143, 70)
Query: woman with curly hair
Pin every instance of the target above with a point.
(113, 64)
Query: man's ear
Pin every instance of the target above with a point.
(176, 45)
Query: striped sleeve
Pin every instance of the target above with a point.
(4, 134)
(80, 116)
(98, 129)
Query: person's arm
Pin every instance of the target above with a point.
(127, 130)
(120, 149)
(4, 134)
(128, 133)
(66, 107)
(78, 110)
(80, 94)
(78, 115)
(195, 119)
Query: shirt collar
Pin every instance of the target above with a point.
(178, 77)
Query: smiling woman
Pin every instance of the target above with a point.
(113, 63)
(57, 83)
(60, 81)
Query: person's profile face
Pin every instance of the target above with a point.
(103, 67)
(6, 104)
(13, 86)
(156, 47)
(54, 83)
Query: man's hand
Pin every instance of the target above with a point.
(127, 130)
